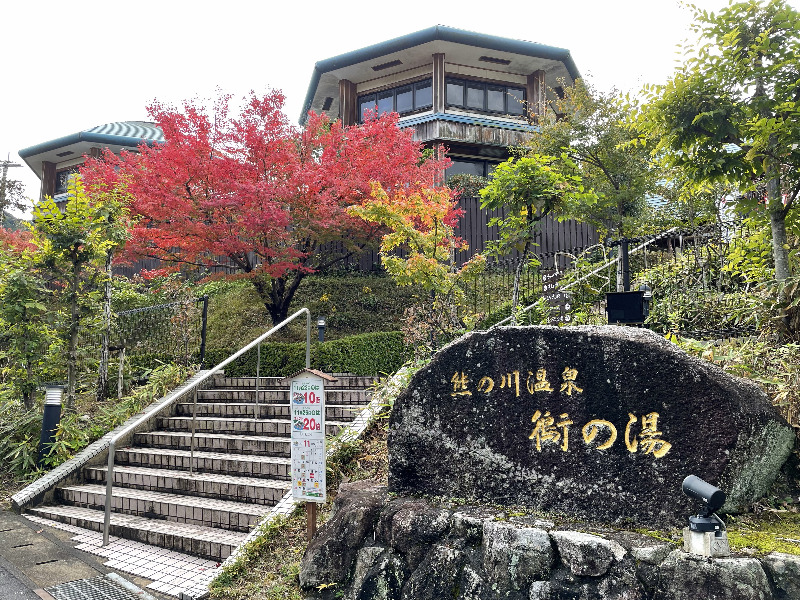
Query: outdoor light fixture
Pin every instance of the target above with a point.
(50, 419)
(706, 533)
(321, 323)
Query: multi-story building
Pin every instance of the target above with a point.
(54, 161)
(475, 94)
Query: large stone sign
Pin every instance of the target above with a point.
(601, 423)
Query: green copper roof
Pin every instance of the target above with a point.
(436, 33)
(122, 133)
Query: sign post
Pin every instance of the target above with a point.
(558, 300)
(307, 414)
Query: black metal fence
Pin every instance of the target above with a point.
(698, 278)
(176, 330)
(142, 338)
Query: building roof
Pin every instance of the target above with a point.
(416, 49)
(114, 136)
(314, 372)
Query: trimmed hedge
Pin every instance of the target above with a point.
(365, 354)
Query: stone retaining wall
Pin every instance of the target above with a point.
(396, 548)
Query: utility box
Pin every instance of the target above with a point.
(628, 307)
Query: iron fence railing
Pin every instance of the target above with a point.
(692, 263)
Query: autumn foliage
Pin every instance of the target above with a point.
(251, 193)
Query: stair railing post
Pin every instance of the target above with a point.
(191, 444)
(109, 484)
(203, 330)
(258, 380)
(308, 339)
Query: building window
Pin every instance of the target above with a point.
(470, 166)
(62, 179)
(485, 97)
(403, 99)
(455, 93)
(423, 94)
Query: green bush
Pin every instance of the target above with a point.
(535, 316)
(20, 428)
(366, 354)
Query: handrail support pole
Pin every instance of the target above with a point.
(109, 484)
(308, 339)
(258, 380)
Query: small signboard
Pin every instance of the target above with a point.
(307, 401)
(558, 300)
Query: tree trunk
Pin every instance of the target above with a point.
(517, 277)
(102, 378)
(777, 221)
(277, 296)
(72, 338)
(27, 395)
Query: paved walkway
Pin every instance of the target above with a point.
(14, 583)
(34, 557)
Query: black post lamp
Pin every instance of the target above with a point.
(50, 419)
(321, 323)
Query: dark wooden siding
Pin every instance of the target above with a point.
(554, 237)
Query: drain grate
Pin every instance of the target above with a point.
(96, 588)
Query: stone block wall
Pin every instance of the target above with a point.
(376, 546)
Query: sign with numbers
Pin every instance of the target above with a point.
(559, 301)
(307, 401)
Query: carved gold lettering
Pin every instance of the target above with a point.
(591, 429)
(460, 383)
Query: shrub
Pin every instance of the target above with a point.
(366, 354)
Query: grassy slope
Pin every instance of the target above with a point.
(352, 304)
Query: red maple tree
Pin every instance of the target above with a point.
(257, 196)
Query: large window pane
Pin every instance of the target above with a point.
(423, 94)
(455, 93)
(365, 105)
(470, 167)
(405, 99)
(385, 102)
(475, 94)
(495, 99)
(514, 99)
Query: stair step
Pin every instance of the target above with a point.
(194, 510)
(333, 412)
(219, 442)
(280, 396)
(208, 462)
(239, 425)
(207, 485)
(214, 544)
(342, 381)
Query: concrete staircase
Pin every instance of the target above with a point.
(240, 468)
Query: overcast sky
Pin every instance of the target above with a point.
(69, 66)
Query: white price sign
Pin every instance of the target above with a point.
(307, 399)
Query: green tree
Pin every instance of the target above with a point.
(27, 332)
(730, 112)
(594, 131)
(74, 244)
(528, 189)
(420, 222)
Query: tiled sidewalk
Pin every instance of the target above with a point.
(172, 573)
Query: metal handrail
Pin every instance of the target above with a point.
(597, 270)
(193, 389)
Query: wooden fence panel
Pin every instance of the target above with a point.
(473, 226)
